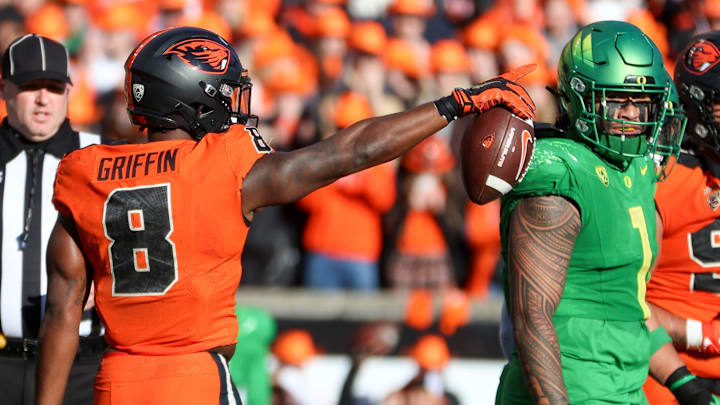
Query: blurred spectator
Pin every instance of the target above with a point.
(115, 124)
(598, 10)
(83, 109)
(420, 228)
(367, 75)
(343, 234)
(288, 74)
(170, 14)
(293, 349)
(367, 9)
(249, 365)
(49, 21)
(209, 20)
(123, 25)
(78, 22)
(520, 45)
(404, 75)
(330, 47)
(331, 30)
(301, 18)
(450, 68)
(481, 40)
(431, 354)
(409, 22)
(459, 12)
(450, 65)
(419, 311)
(711, 11)
(240, 12)
(527, 13)
(482, 229)
(680, 18)
(27, 7)
(561, 24)
(455, 311)
(12, 25)
(253, 28)
(370, 339)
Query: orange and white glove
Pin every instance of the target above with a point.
(500, 90)
(703, 337)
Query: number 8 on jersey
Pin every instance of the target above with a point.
(138, 224)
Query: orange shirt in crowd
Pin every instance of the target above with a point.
(344, 217)
(482, 229)
(421, 235)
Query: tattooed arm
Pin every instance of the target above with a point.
(541, 237)
(67, 291)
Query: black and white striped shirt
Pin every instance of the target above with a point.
(27, 174)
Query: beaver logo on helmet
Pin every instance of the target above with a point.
(202, 54)
(701, 56)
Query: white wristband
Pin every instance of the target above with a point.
(693, 334)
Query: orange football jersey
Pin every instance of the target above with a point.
(162, 226)
(687, 279)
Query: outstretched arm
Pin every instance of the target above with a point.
(541, 238)
(279, 178)
(67, 291)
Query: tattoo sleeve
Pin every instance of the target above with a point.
(541, 237)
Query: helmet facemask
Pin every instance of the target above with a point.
(605, 123)
(669, 140)
(235, 96)
(705, 128)
(234, 99)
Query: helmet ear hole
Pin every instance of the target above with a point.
(202, 109)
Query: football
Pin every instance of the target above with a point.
(496, 153)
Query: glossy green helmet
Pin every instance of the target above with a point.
(670, 137)
(612, 57)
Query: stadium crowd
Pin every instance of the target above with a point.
(319, 66)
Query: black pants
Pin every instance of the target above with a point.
(17, 379)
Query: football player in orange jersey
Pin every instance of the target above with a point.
(160, 227)
(683, 290)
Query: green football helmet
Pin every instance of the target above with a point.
(604, 62)
(670, 137)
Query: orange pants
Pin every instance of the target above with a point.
(193, 379)
(698, 364)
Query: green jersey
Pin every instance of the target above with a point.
(613, 252)
(604, 343)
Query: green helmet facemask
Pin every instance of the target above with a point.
(604, 62)
(670, 136)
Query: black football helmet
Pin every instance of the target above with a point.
(697, 77)
(187, 78)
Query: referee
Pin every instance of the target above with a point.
(34, 136)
